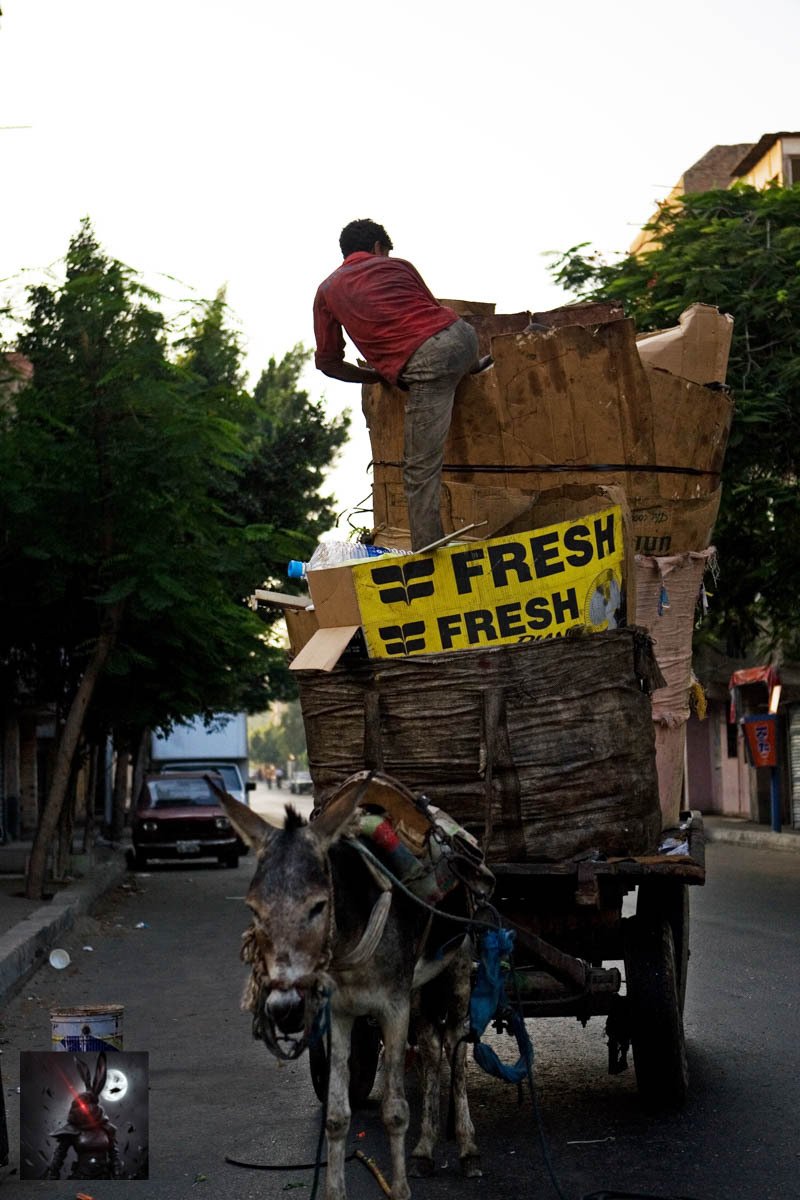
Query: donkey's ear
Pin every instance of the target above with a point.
(84, 1073)
(338, 812)
(100, 1073)
(252, 828)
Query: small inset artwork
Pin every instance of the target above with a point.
(83, 1116)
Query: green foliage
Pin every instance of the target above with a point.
(131, 476)
(739, 250)
(276, 743)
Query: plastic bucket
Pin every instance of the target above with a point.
(90, 1027)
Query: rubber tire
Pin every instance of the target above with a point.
(669, 899)
(365, 1049)
(656, 1020)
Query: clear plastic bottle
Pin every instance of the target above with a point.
(333, 554)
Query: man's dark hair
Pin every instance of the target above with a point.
(362, 235)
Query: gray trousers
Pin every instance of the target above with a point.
(432, 375)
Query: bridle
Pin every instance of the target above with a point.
(316, 986)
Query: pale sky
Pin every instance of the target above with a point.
(228, 143)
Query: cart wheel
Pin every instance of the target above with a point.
(656, 1021)
(669, 899)
(365, 1048)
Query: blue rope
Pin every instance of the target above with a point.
(488, 998)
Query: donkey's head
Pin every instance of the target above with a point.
(290, 941)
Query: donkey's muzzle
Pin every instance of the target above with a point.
(287, 1010)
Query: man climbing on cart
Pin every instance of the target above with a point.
(409, 340)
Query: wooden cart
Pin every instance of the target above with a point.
(569, 921)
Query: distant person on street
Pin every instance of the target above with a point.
(410, 340)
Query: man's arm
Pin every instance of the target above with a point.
(329, 357)
(339, 369)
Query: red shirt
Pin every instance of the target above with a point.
(384, 305)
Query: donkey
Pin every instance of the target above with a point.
(327, 928)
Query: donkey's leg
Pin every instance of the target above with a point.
(337, 1123)
(429, 1044)
(394, 1108)
(456, 1049)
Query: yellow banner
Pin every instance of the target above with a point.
(511, 589)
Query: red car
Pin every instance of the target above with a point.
(179, 817)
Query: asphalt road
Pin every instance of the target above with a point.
(215, 1091)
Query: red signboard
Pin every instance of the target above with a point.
(761, 734)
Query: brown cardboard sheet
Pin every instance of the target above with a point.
(697, 348)
(334, 596)
(691, 425)
(554, 406)
(591, 313)
(674, 526)
(461, 504)
(471, 308)
(324, 649)
(301, 625)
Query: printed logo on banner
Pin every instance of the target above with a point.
(538, 584)
(404, 639)
(396, 580)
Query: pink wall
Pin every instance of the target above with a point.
(717, 783)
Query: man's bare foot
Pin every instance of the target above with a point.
(482, 364)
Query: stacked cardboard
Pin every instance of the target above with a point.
(575, 405)
(577, 401)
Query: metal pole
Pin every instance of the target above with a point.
(775, 797)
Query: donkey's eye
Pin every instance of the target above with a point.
(316, 910)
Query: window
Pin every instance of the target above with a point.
(793, 171)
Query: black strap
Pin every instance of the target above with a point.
(556, 468)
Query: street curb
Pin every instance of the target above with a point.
(25, 947)
(761, 839)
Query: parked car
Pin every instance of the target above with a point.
(179, 817)
(301, 782)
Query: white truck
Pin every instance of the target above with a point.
(195, 746)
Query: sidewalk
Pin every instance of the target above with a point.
(748, 833)
(29, 928)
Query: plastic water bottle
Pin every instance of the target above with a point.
(333, 554)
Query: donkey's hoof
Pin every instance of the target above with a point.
(471, 1166)
(420, 1167)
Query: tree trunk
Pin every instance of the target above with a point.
(62, 846)
(120, 790)
(141, 763)
(66, 752)
(28, 772)
(91, 799)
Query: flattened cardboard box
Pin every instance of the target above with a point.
(554, 404)
(541, 583)
(697, 348)
(659, 526)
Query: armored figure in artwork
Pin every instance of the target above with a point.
(87, 1132)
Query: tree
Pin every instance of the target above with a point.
(273, 496)
(131, 527)
(276, 743)
(739, 250)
